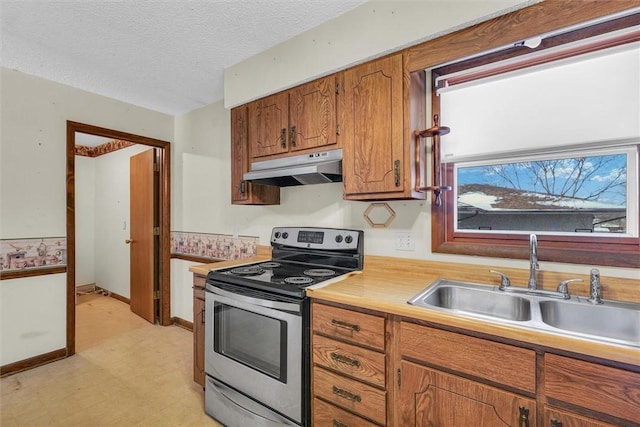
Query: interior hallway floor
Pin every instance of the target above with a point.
(126, 372)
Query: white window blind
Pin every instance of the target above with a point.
(591, 100)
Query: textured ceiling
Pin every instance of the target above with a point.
(167, 56)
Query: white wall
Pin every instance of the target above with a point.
(85, 220)
(32, 315)
(203, 147)
(33, 193)
(181, 291)
(370, 30)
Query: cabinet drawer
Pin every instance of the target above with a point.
(326, 415)
(557, 418)
(361, 363)
(350, 394)
(500, 363)
(359, 328)
(198, 293)
(590, 385)
(199, 281)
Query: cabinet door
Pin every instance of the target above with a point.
(268, 120)
(243, 192)
(431, 398)
(198, 336)
(312, 115)
(593, 386)
(373, 128)
(557, 418)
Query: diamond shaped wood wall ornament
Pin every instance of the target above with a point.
(382, 215)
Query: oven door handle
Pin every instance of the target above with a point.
(276, 305)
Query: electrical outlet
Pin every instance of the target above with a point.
(405, 241)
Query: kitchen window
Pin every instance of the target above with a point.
(543, 141)
(586, 192)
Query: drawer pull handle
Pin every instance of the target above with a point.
(292, 138)
(523, 419)
(345, 325)
(337, 423)
(345, 359)
(346, 395)
(556, 423)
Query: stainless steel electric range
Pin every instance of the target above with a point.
(257, 356)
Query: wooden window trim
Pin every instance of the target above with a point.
(592, 249)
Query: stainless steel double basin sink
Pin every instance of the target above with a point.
(611, 322)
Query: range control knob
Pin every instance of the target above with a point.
(277, 235)
(285, 235)
(348, 239)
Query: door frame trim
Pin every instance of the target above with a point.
(164, 198)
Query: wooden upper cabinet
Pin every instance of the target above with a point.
(243, 192)
(375, 159)
(312, 115)
(300, 119)
(268, 125)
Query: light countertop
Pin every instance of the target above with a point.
(386, 284)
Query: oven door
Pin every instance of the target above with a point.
(254, 345)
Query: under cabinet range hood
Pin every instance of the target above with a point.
(314, 168)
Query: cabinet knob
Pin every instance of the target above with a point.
(128, 241)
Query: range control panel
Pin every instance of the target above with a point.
(317, 238)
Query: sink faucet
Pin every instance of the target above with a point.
(533, 261)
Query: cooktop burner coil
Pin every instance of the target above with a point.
(319, 272)
(248, 270)
(270, 264)
(298, 280)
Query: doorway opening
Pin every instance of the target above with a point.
(161, 198)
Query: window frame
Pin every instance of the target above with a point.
(584, 249)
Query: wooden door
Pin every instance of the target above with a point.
(312, 114)
(373, 128)
(268, 124)
(244, 192)
(431, 398)
(142, 246)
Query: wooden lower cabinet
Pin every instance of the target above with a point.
(386, 370)
(609, 390)
(326, 415)
(432, 398)
(558, 418)
(349, 368)
(361, 399)
(198, 329)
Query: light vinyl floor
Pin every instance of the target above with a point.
(126, 372)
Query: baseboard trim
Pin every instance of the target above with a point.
(32, 362)
(107, 292)
(182, 323)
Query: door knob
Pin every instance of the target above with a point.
(128, 241)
